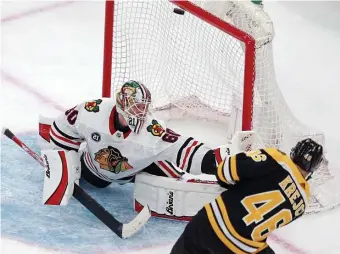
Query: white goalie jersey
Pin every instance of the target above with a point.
(112, 154)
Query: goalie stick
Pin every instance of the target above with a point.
(120, 229)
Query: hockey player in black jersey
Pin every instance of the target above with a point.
(266, 190)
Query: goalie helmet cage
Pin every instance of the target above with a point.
(214, 61)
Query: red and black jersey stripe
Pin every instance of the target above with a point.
(186, 153)
(64, 140)
(192, 155)
(169, 169)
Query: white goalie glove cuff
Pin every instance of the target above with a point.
(62, 171)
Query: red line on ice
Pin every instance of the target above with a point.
(22, 85)
(286, 245)
(35, 11)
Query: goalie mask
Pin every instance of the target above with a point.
(307, 154)
(133, 103)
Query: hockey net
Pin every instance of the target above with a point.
(209, 61)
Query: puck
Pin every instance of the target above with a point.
(179, 11)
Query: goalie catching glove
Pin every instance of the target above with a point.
(62, 170)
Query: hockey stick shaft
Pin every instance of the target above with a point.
(85, 199)
(16, 140)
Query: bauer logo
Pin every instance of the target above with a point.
(170, 203)
(47, 166)
(95, 136)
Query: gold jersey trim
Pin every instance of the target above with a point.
(231, 228)
(221, 224)
(219, 232)
(290, 166)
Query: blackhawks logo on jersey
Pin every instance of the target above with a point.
(112, 160)
(92, 106)
(155, 128)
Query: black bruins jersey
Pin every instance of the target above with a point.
(265, 191)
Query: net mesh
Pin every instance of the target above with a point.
(189, 64)
(159, 47)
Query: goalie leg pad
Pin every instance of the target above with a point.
(62, 170)
(177, 199)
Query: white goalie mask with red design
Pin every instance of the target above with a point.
(133, 103)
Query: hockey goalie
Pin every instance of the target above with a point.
(118, 140)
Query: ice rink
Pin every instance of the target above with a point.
(51, 59)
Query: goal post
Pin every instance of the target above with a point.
(108, 43)
(213, 61)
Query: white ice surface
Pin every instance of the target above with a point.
(58, 54)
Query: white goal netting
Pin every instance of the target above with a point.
(220, 70)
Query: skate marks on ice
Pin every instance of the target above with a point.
(71, 228)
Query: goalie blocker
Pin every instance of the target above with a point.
(62, 170)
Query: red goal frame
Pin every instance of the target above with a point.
(248, 40)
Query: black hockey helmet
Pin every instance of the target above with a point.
(307, 154)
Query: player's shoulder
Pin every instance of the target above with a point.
(279, 158)
(96, 112)
(152, 130)
(150, 134)
(98, 105)
(275, 153)
(287, 165)
(154, 126)
(96, 108)
(265, 155)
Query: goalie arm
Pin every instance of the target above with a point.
(189, 154)
(194, 157)
(63, 132)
